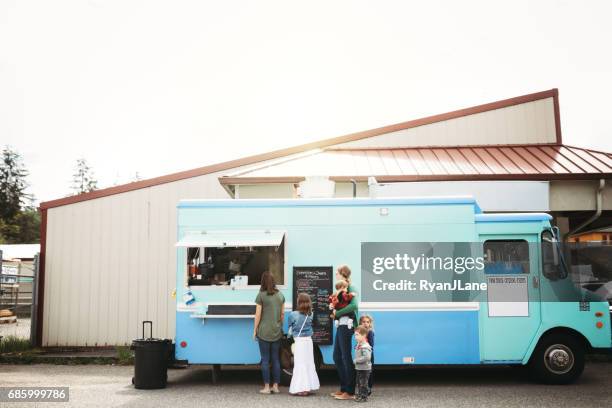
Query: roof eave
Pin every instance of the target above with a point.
(407, 178)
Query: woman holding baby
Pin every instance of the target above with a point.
(344, 311)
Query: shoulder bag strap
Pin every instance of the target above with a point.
(303, 323)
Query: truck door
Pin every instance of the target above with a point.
(510, 316)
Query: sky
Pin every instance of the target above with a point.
(156, 87)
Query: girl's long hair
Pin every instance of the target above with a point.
(267, 283)
(304, 304)
(366, 316)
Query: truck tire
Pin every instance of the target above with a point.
(557, 359)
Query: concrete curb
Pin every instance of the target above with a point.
(66, 357)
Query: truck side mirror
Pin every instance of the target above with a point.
(550, 255)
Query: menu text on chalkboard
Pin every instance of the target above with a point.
(317, 282)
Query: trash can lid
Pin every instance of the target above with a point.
(150, 340)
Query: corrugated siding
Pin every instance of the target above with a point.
(531, 122)
(111, 263)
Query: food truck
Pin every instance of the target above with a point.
(444, 282)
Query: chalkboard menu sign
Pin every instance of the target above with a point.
(317, 282)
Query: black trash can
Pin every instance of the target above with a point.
(150, 360)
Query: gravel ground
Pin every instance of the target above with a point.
(97, 386)
(20, 329)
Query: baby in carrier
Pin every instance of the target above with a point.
(341, 298)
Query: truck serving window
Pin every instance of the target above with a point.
(506, 256)
(217, 257)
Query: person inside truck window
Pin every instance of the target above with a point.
(343, 358)
(234, 266)
(268, 330)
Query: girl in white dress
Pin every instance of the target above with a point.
(304, 379)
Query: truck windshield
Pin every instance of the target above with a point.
(585, 264)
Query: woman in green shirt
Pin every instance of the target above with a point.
(268, 330)
(343, 341)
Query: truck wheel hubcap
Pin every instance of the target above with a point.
(559, 359)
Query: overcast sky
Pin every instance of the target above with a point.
(156, 87)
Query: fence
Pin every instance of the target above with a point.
(18, 294)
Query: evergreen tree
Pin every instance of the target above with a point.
(12, 185)
(83, 180)
(19, 220)
(28, 222)
(2, 232)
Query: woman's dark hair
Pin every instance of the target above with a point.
(304, 304)
(345, 272)
(267, 283)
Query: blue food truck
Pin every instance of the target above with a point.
(510, 307)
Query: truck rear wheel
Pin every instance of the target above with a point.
(557, 359)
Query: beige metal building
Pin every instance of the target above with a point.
(108, 258)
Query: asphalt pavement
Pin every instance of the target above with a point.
(106, 386)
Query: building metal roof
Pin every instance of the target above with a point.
(283, 153)
(490, 162)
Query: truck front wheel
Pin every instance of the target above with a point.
(557, 359)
